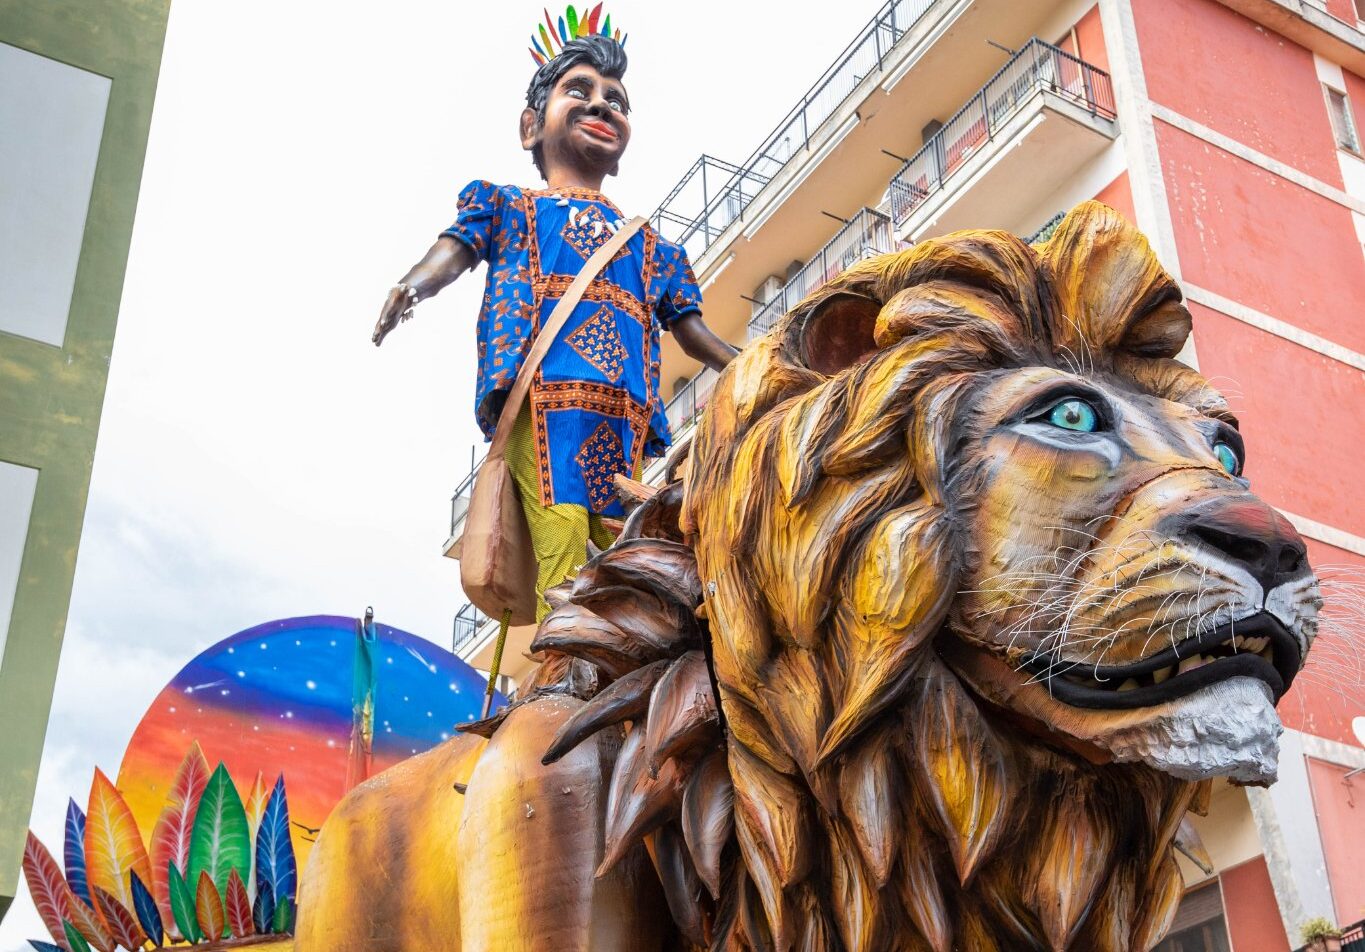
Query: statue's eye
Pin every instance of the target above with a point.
(1074, 414)
(1227, 458)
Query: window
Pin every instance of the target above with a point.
(1343, 127)
(1360, 9)
(1198, 925)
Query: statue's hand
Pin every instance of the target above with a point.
(397, 308)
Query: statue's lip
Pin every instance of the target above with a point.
(1211, 656)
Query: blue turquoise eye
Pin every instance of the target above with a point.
(1227, 457)
(1076, 415)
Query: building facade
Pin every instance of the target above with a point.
(1229, 131)
(77, 80)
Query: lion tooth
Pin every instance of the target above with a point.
(1128, 685)
(1162, 674)
(1189, 664)
(1268, 653)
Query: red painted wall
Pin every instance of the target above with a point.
(1118, 195)
(1090, 35)
(1272, 246)
(1253, 918)
(1341, 821)
(1223, 71)
(1327, 694)
(1345, 11)
(1263, 241)
(1300, 413)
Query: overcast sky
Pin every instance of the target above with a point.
(257, 457)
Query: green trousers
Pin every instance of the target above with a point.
(559, 533)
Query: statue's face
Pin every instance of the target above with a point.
(586, 123)
(1140, 596)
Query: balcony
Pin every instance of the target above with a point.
(1025, 132)
(468, 621)
(712, 194)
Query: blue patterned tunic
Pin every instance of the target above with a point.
(595, 407)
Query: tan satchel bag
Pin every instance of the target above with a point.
(498, 567)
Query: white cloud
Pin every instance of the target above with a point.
(258, 458)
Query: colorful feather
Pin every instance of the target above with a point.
(536, 57)
(41, 946)
(73, 852)
(550, 34)
(263, 911)
(74, 940)
(238, 907)
(275, 863)
(572, 16)
(208, 907)
(170, 847)
(173, 830)
(563, 34)
(148, 915)
(221, 841)
(283, 919)
(91, 925)
(126, 932)
(190, 779)
(592, 20)
(50, 893)
(606, 26)
(255, 806)
(113, 843)
(182, 907)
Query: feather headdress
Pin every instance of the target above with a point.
(549, 39)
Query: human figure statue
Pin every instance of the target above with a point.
(594, 409)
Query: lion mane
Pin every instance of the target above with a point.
(774, 631)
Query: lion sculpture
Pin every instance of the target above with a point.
(959, 606)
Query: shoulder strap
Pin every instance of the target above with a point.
(545, 337)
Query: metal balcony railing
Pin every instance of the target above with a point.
(1037, 67)
(867, 233)
(1045, 232)
(713, 193)
(459, 502)
(468, 621)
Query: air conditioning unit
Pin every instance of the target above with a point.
(765, 292)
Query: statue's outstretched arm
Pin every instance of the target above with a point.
(700, 343)
(445, 261)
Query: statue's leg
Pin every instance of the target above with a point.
(530, 842)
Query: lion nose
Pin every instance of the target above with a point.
(1254, 536)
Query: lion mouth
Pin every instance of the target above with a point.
(1259, 646)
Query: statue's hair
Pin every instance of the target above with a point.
(832, 783)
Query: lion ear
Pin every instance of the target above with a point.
(838, 333)
(1161, 331)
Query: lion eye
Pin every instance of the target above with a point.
(1074, 414)
(1227, 458)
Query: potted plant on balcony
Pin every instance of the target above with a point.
(1320, 935)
